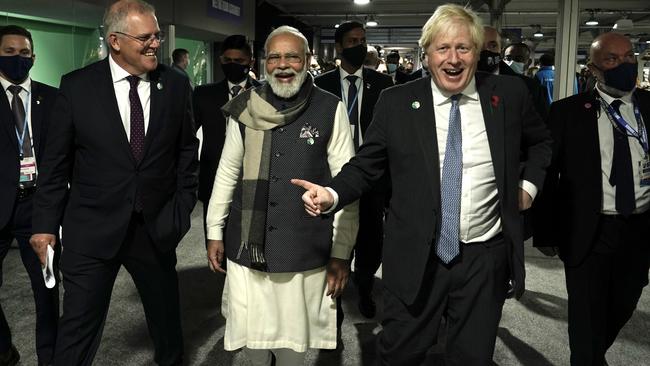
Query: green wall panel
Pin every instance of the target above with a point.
(197, 69)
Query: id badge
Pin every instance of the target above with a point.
(353, 129)
(644, 171)
(28, 169)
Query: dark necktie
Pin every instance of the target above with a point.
(137, 130)
(235, 90)
(137, 119)
(450, 187)
(353, 110)
(18, 109)
(622, 176)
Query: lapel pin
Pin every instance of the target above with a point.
(159, 86)
(587, 105)
(38, 101)
(367, 85)
(415, 105)
(310, 141)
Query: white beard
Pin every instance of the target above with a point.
(284, 90)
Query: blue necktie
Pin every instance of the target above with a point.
(450, 187)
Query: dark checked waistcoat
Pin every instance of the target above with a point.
(294, 241)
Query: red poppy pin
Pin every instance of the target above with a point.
(495, 101)
(587, 105)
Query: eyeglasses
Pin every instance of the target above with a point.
(291, 58)
(146, 40)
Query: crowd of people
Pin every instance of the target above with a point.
(438, 174)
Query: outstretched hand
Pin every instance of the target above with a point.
(317, 199)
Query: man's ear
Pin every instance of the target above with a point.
(338, 48)
(113, 42)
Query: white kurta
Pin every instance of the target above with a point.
(280, 310)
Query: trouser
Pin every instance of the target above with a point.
(19, 227)
(283, 357)
(88, 284)
(370, 239)
(605, 288)
(469, 293)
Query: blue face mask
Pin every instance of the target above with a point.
(391, 68)
(622, 77)
(16, 68)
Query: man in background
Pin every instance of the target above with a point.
(25, 111)
(236, 61)
(359, 89)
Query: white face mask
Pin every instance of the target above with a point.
(517, 67)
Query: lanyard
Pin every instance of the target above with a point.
(621, 123)
(21, 136)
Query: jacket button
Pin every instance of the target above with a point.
(273, 204)
(274, 178)
(281, 129)
(278, 154)
(271, 228)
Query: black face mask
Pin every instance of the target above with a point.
(488, 61)
(622, 77)
(235, 72)
(355, 55)
(16, 68)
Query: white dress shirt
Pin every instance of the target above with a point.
(122, 87)
(606, 138)
(345, 85)
(230, 85)
(480, 219)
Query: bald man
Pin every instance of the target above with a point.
(595, 200)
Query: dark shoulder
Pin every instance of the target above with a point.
(327, 77)
(43, 89)
(586, 100)
(413, 87)
(210, 89)
(84, 72)
(383, 80)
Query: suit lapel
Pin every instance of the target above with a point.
(157, 90)
(425, 122)
(106, 93)
(7, 119)
(492, 106)
(36, 117)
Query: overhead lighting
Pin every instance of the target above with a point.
(361, 2)
(371, 22)
(636, 53)
(336, 25)
(592, 20)
(538, 33)
(623, 24)
(648, 41)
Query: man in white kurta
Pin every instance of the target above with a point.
(279, 295)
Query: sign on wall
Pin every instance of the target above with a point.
(226, 9)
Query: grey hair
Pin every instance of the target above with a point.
(116, 14)
(285, 29)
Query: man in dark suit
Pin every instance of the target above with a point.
(359, 88)
(236, 61)
(595, 202)
(120, 178)
(453, 243)
(24, 113)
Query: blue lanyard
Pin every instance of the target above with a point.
(619, 121)
(21, 136)
(350, 105)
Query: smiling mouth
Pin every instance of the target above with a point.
(284, 77)
(453, 72)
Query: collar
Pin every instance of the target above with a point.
(627, 98)
(343, 74)
(119, 74)
(242, 84)
(26, 84)
(440, 97)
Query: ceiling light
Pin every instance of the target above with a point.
(538, 33)
(648, 41)
(361, 2)
(336, 25)
(636, 53)
(623, 24)
(592, 20)
(371, 22)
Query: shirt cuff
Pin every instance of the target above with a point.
(529, 187)
(336, 201)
